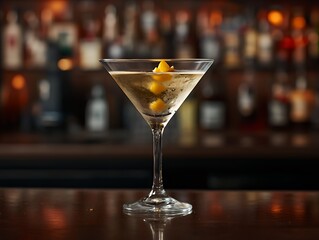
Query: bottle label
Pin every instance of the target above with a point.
(278, 113)
(212, 115)
(299, 111)
(90, 50)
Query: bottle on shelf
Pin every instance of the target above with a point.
(12, 42)
(54, 88)
(90, 44)
(212, 109)
(247, 102)
(278, 18)
(34, 45)
(110, 24)
(97, 111)
(112, 41)
(208, 33)
(264, 43)
(15, 102)
(184, 48)
(232, 55)
(313, 38)
(299, 38)
(187, 121)
(150, 45)
(183, 42)
(250, 39)
(51, 115)
(278, 105)
(130, 30)
(167, 33)
(302, 100)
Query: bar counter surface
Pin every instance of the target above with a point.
(27, 214)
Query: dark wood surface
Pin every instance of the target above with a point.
(97, 214)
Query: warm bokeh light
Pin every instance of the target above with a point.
(65, 64)
(18, 82)
(46, 16)
(216, 18)
(57, 7)
(276, 208)
(276, 17)
(55, 217)
(298, 22)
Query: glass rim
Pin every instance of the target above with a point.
(105, 60)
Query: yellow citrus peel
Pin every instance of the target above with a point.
(158, 105)
(162, 68)
(156, 87)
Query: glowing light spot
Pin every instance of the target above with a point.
(18, 82)
(65, 64)
(275, 17)
(298, 22)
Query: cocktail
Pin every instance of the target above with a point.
(157, 88)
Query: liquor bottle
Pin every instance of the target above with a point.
(247, 101)
(113, 43)
(313, 38)
(187, 121)
(184, 48)
(184, 42)
(50, 101)
(12, 42)
(110, 24)
(302, 101)
(212, 109)
(284, 47)
(90, 45)
(264, 44)
(148, 18)
(130, 32)
(150, 45)
(15, 101)
(209, 37)
(278, 108)
(97, 111)
(54, 89)
(167, 33)
(250, 42)
(299, 38)
(34, 45)
(232, 56)
(281, 35)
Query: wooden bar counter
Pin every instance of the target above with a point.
(31, 214)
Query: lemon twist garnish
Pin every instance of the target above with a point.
(158, 105)
(156, 87)
(163, 67)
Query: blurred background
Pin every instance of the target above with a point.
(251, 123)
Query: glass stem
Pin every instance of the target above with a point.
(157, 188)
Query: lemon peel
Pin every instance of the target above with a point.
(162, 68)
(156, 87)
(158, 105)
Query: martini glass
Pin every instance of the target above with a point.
(157, 94)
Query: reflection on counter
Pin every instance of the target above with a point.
(63, 213)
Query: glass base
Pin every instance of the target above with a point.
(163, 206)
